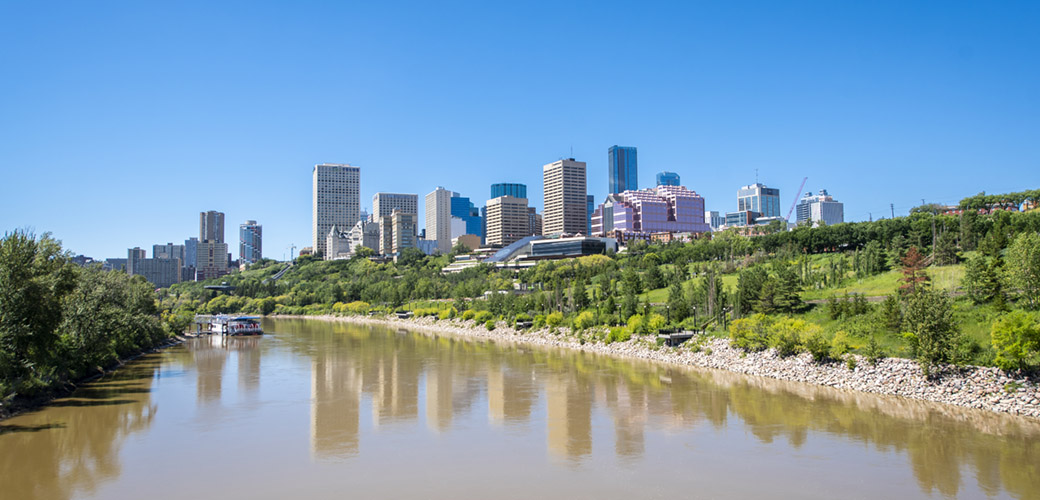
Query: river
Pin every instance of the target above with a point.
(323, 409)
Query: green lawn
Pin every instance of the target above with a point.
(944, 277)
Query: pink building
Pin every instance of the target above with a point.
(664, 209)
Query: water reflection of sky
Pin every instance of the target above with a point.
(326, 406)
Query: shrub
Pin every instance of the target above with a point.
(930, 329)
(483, 316)
(1016, 339)
(656, 322)
(785, 335)
(468, 314)
(750, 333)
(817, 345)
(840, 345)
(637, 324)
(554, 319)
(539, 321)
(585, 320)
(873, 350)
(618, 334)
(489, 324)
(447, 313)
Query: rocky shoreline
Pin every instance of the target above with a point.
(982, 388)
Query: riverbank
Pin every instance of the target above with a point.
(20, 405)
(982, 388)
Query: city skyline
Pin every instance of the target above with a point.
(885, 104)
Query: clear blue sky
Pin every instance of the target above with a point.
(119, 122)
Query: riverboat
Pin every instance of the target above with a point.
(243, 325)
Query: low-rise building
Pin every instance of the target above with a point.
(161, 272)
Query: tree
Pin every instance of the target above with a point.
(913, 271)
(579, 294)
(1016, 338)
(1023, 267)
(945, 251)
(982, 279)
(678, 308)
(363, 252)
(35, 277)
(929, 328)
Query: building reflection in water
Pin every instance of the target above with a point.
(398, 373)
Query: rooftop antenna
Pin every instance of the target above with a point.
(756, 176)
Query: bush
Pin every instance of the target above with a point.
(483, 317)
(585, 320)
(750, 333)
(554, 319)
(840, 345)
(489, 324)
(447, 313)
(930, 329)
(818, 345)
(873, 351)
(1016, 339)
(637, 324)
(656, 322)
(785, 335)
(539, 321)
(618, 334)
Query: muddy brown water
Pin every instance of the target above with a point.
(332, 410)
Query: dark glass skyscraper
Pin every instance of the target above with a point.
(622, 169)
(667, 179)
(509, 189)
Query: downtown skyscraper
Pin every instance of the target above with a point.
(336, 200)
(566, 202)
(622, 169)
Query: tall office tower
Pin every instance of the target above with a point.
(462, 208)
(507, 220)
(565, 197)
(384, 204)
(212, 260)
(404, 227)
(336, 199)
(759, 198)
(250, 242)
(622, 169)
(590, 206)
(820, 207)
(211, 226)
(509, 189)
(438, 218)
(667, 179)
(534, 220)
(191, 251)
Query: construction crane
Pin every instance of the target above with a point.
(795, 203)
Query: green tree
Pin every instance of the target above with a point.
(1016, 338)
(929, 328)
(678, 307)
(35, 277)
(1023, 267)
(982, 279)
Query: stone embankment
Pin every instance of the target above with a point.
(972, 387)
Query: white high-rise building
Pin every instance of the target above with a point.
(566, 203)
(384, 204)
(336, 200)
(438, 218)
(820, 207)
(507, 220)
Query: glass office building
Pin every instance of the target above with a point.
(622, 169)
(509, 189)
(667, 179)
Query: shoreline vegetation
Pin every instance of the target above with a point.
(973, 387)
